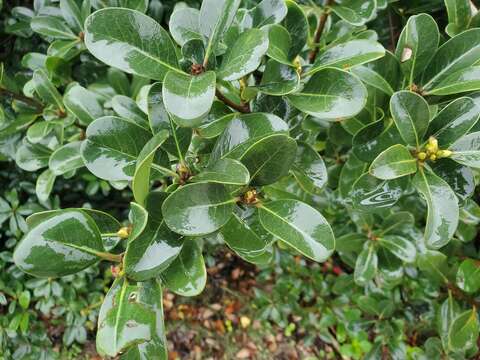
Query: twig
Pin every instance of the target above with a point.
(318, 33)
(27, 100)
(243, 108)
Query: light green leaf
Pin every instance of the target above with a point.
(394, 162)
(72, 14)
(300, 226)
(279, 44)
(150, 53)
(372, 78)
(320, 99)
(141, 177)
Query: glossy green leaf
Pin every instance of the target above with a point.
(184, 25)
(355, 12)
(374, 138)
(83, 103)
(64, 243)
(31, 157)
(198, 209)
(128, 109)
(244, 56)
(157, 114)
(416, 45)
(224, 171)
(149, 294)
(268, 12)
(187, 275)
(460, 81)
(372, 194)
(296, 24)
(466, 150)
(279, 44)
(215, 127)
(459, 13)
(269, 158)
(442, 216)
(300, 226)
(188, 98)
(400, 247)
(309, 169)
(141, 177)
(279, 79)
(246, 237)
(459, 177)
(318, 98)
(455, 120)
(66, 158)
(394, 162)
(366, 265)
(216, 17)
(122, 320)
(52, 26)
(150, 54)
(411, 115)
(138, 217)
(350, 172)
(112, 147)
(348, 54)
(242, 131)
(45, 89)
(155, 246)
(72, 14)
(44, 184)
(468, 276)
(458, 53)
(463, 332)
(372, 78)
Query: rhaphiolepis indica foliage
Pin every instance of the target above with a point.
(217, 125)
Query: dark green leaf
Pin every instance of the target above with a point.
(224, 171)
(309, 169)
(394, 162)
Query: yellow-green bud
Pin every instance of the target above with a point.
(123, 232)
(433, 157)
(421, 156)
(444, 153)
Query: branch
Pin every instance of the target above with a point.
(318, 33)
(243, 108)
(25, 99)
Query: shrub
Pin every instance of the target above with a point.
(271, 127)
